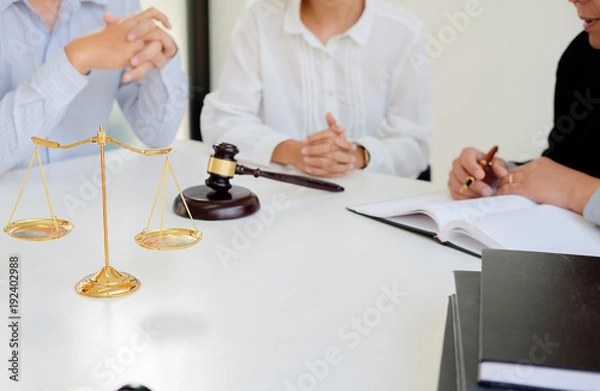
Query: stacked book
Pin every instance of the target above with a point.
(527, 321)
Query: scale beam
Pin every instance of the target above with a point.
(108, 282)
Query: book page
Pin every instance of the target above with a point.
(464, 240)
(400, 206)
(544, 228)
(406, 211)
(476, 208)
(440, 209)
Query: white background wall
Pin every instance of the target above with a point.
(492, 82)
(176, 12)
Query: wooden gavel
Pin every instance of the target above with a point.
(222, 166)
(219, 200)
(134, 387)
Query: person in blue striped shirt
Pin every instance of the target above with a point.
(64, 62)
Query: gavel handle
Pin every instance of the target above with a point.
(294, 179)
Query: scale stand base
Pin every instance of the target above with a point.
(206, 204)
(107, 283)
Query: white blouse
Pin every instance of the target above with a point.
(279, 81)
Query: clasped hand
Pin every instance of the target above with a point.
(135, 42)
(328, 153)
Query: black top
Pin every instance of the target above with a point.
(575, 138)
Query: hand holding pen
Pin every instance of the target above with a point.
(484, 164)
(474, 172)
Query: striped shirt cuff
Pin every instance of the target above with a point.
(59, 80)
(176, 84)
(175, 80)
(591, 212)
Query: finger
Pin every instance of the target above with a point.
(328, 146)
(342, 143)
(339, 130)
(476, 188)
(141, 29)
(153, 13)
(169, 46)
(455, 184)
(109, 18)
(150, 51)
(323, 173)
(459, 196)
(328, 165)
(469, 160)
(342, 157)
(328, 136)
(325, 151)
(317, 149)
(473, 188)
(159, 61)
(499, 168)
(513, 178)
(330, 120)
(137, 73)
(320, 137)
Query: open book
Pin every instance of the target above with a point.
(509, 222)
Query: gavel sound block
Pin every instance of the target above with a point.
(219, 200)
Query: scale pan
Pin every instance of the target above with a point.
(37, 230)
(168, 239)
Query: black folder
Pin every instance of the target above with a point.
(540, 320)
(468, 291)
(447, 378)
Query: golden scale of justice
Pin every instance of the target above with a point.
(108, 282)
(215, 200)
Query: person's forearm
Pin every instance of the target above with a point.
(35, 107)
(77, 52)
(288, 153)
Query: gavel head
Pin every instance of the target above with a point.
(134, 387)
(221, 166)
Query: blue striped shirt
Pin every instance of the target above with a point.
(43, 95)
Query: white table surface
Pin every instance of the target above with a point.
(279, 306)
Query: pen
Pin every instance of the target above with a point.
(487, 160)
